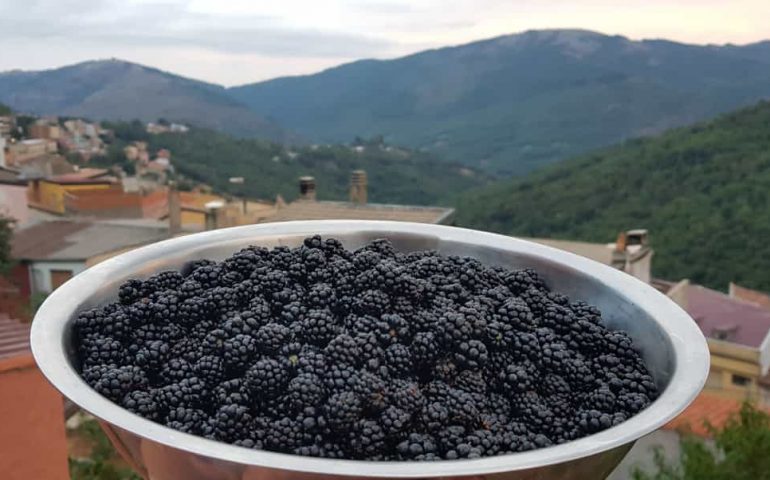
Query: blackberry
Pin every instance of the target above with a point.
(153, 356)
(393, 328)
(231, 423)
(168, 280)
(175, 370)
(189, 392)
(116, 382)
(271, 337)
(417, 446)
(368, 439)
(405, 395)
(471, 354)
(343, 349)
(394, 421)
(266, 378)
(318, 327)
(142, 403)
(231, 392)
(425, 349)
(398, 359)
(434, 416)
(371, 302)
(96, 349)
(187, 420)
(305, 390)
(210, 369)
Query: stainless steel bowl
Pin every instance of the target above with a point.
(672, 345)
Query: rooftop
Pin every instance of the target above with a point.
(84, 175)
(724, 318)
(80, 240)
(14, 337)
(322, 210)
(599, 252)
(707, 407)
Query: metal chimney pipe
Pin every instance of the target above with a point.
(307, 188)
(358, 184)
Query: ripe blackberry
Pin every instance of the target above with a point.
(601, 399)
(153, 356)
(405, 395)
(285, 435)
(313, 361)
(471, 354)
(516, 313)
(231, 422)
(210, 369)
(175, 370)
(188, 392)
(96, 349)
(371, 302)
(517, 378)
(367, 439)
(434, 416)
(115, 382)
(231, 392)
(394, 421)
(266, 378)
(371, 388)
(305, 390)
(417, 446)
(592, 421)
(271, 337)
(142, 403)
(168, 280)
(472, 381)
(340, 378)
(188, 420)
(318, 327)
(398, 359)
(425, 349)
(343, 349)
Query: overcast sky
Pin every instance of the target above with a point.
(240, 41)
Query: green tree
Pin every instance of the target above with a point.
(6, 234)
(740, 452)
(5, 110)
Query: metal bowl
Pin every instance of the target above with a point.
(671, 343)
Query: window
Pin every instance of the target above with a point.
(740, 380)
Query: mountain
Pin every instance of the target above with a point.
(702, 191)
(114, 90)
(516, 102)
(394, 175)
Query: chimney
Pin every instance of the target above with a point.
(633, 254)
(307, 189)
(358, 187)
(213, 213)
(174, 210)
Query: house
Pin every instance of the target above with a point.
(49, 193)
(24, 150)
(50, 253)
(13, 196)
(738, 335)
(33, 443)
(307, 207)
(7, 124)
(44, 130)
(631, 252)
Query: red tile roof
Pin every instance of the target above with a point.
(14, 337)
(707, 408)
(744, 323)
(754, 296)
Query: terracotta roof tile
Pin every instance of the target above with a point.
(743, 322)
(707, 407)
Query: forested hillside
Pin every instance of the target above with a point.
(396, 175)
(703, 191)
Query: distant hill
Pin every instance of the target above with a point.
(395, 175)
(703, 191)
(118, 90)
(516, 102)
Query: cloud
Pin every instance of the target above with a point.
(175, 24)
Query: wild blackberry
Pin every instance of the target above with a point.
(318, 327)
(272, 337)
(343, 349)
(398, 359)
(210, 369)
(231, 422)
(417, 446)
(115, 382)
(305, 390)
(266, 378)
(142, 403)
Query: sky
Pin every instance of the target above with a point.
(233, 42)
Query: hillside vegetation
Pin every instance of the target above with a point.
(516, 102)
(395, 175)
(703, 191)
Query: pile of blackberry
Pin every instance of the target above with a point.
(370, 354)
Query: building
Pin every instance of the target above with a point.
(631, 252)
(44, 130)
(13, 196)
(738, 335)
(307, 207)
(33, 443)
(49, 194)
(50, 253)
(7, 124)
(20, 152)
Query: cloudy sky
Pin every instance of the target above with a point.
(240, 41)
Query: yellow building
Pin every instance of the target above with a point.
(48, 194)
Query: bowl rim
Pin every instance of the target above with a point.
(691, 355)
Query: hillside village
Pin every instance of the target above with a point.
(71, 211)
